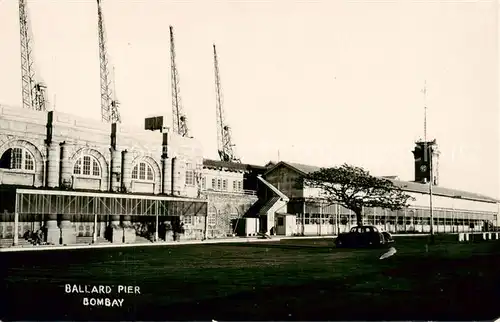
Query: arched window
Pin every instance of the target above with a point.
(18, 159)
(87, 165)
(142, 171)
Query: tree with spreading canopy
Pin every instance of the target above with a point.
(354, 188)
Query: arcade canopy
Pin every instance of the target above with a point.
(34, 201)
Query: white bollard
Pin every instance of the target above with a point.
(467, 237)
(485, 236)
(461, 237)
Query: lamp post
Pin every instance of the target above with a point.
(338, 219)
(428, 157)
(431, 181)
(454, 216)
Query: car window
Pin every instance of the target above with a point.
(369, 229)
(363, 230)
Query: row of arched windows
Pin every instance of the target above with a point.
(89, 166)
(18, 158)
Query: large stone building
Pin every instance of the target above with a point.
(80, 181)
(76, 178)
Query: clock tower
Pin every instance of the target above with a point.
(423, 161)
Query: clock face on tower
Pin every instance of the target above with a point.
(423, 168)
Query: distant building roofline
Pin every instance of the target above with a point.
(409, 186)
(234, 166)
(390, 177)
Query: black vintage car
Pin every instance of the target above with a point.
(363, 236)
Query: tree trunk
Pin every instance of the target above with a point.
(359, 217)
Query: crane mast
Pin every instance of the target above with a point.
(109, 105)
(33, 92)
(224, 142)
(179, 120)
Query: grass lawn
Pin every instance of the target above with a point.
(287, 280)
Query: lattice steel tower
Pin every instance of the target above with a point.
(33, 92)
(179, 120)
(224, 142)
(109, 106)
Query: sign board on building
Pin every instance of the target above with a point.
(153, 123)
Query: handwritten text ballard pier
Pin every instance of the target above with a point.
(102, 289)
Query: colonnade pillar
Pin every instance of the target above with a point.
(169, 233)
(129, 235)
(174, 177)
(66, 170)
(16, 228)
(52, 231)
(53, 165)
(68, 234)
(94, 233)
(115, 174)
(156, 227)
(116, 230)
(126, 171)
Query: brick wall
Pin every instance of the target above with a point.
(222, 208)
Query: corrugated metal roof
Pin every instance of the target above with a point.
(408, 186)
(231, 165)
(303, 167)
(390, 177)
(411, 186)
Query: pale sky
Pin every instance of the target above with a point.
(323, 82)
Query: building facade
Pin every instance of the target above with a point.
(81, 181)
(132, 179)
(231, 190)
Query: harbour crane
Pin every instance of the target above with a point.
(224, 142)
(179, 120)
(109, 104)
(33, 91)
